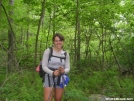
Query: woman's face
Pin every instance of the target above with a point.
(58, 43)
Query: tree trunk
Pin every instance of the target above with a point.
(75, 50)
(49, 29)
(88, 38)
(38, 30)
(11, 41)
(54, 8)
(115, 58)
(78, 32)
(102, 48)
(0, 7)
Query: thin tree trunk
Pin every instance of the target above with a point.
(75, 50)
(12, 63)
(79, 41)
(54, 8)
(88, 38)
(49, 28)
(75, 37)
(38, 30)
(0, 7)
(78, 31)
(115, 58)
(8, 19)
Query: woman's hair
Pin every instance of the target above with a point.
(58, 35)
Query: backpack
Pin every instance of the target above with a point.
(39, 67)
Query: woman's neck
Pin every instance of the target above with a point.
(57, 49)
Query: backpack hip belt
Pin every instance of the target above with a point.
(59, 77)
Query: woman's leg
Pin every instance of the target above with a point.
(48, 93)
(58, 94)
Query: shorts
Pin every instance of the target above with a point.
(53, 81)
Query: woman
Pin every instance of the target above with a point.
(57, 66)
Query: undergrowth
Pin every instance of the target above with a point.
(27, 85)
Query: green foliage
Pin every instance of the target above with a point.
(101, 21)
(27, 86)
(126, 54)
(24, 86)
(74, 95)
(107, 82)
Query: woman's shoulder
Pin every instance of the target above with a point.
(47, 50)
(65, 52)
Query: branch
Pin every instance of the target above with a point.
(7, 18)
(2, 47)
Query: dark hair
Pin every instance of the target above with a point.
(58, 35)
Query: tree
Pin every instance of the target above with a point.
(11, 41)
(0, 7)
(77, 33)
(38, 30)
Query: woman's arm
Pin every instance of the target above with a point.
(45, 62)
(67, 64)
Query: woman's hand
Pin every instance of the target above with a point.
(56, 73)
(62, 70)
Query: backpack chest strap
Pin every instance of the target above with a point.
(58, 57)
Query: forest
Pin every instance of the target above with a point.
(99, 37)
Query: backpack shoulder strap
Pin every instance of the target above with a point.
(51, 52)
(65, 54)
